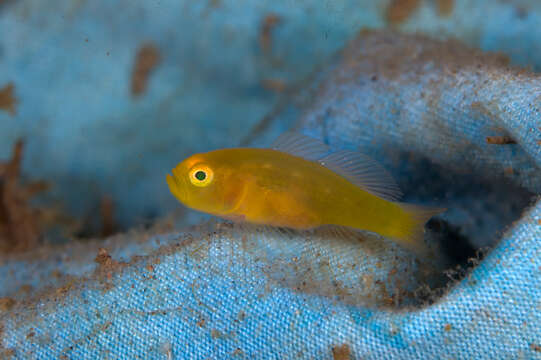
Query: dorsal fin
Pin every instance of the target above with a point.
(300, 145)
(363, 172)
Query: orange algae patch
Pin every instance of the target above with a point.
(7, 98)
(400, 10)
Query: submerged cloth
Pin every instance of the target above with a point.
(421, 107)
(227, 293)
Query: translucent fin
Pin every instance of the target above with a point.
(265, 231)
(363, 172)
(412, 231)
(300, 145)
(337, 232)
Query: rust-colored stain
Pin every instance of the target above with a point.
(216, 334)
(341, 352)
(237, 352)
(445, 7)
(500, 140)
(7, 99)
(275, 85)
(6, 304)
(107, 208)
(539, 142)
(20, 224)
(147, 58)
(400, 10)
(265, 35)
(539, 222)
(447, 327)
(535, 347)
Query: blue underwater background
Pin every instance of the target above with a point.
(108, 96)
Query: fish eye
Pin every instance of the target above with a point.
(201, 175)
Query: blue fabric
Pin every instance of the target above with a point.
(421, 107)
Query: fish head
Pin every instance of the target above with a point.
(206, 182)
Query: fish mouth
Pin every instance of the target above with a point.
(175, 186)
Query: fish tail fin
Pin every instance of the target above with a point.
(411, 231)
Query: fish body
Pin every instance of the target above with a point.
(278, 188)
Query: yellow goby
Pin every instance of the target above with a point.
(297, 184)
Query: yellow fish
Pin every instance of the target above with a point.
(299, 184)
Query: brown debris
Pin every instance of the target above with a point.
(400, 10)
(201, 323)
(390, 55)
(147, 58)
(7, 99)
(216, 334)
(447, 327)
(7, 353)
(107, 216)
(535, 347)
(445, 7)
(508, 171)
(106, 265)
(275, 85)
(6, 303)
(65, 289)
(237, 352)
(103, 258)
(265, 35)
(341, 352)
(20, 224)
(500, 140)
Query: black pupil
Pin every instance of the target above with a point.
(200, 175)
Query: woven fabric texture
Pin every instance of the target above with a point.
(422, 107)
